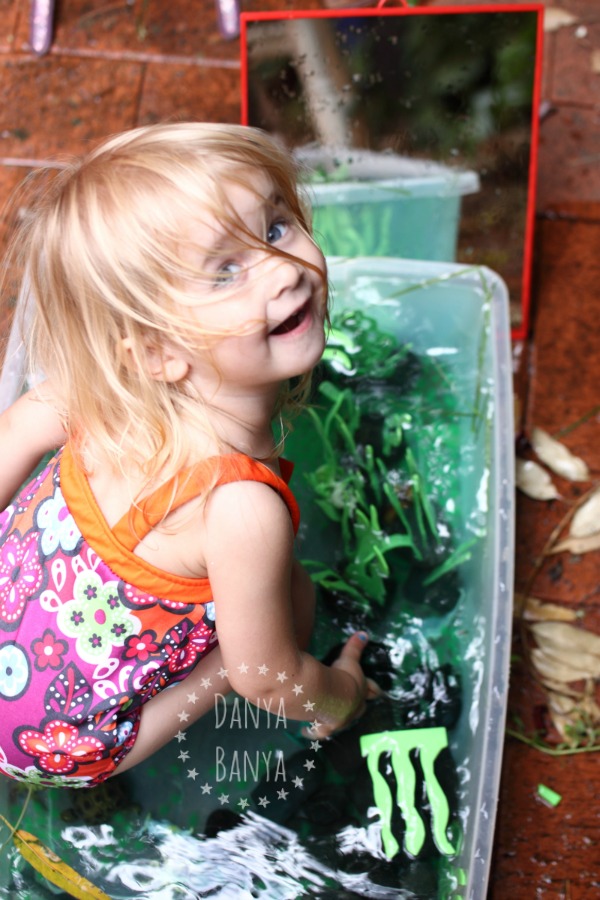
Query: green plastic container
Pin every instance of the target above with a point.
(344, 817)
(385, 205)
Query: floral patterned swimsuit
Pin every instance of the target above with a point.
(89, 631)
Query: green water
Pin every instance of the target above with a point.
(397, 222)
(396, 478)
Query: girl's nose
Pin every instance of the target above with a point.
(284, 274)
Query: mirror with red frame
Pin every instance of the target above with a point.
(436, 104)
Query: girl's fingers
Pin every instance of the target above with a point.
(354, 646)
(373, 689)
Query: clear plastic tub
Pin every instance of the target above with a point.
(205, 814)
(460, 314)
(380, 204)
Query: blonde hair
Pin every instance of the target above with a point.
(102, 251)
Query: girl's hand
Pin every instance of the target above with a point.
(365, 688)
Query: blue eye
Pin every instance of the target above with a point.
(227, 273)
(276, 231)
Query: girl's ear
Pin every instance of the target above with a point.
(166, 364)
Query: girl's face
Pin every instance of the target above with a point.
(272, 308)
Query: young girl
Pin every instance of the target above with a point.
(179, 308)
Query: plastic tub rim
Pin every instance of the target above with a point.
(455, 184)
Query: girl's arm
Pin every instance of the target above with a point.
(29, 429)
(249, 557)
(265, 612)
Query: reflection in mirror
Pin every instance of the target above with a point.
(417, 127)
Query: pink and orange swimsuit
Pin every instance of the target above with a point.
(89, 631)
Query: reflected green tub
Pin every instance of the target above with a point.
(381, 204)
(404, 475)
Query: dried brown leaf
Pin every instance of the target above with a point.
(564, 725)
(534, 481)
(557, 687)
(558, 457)
(584, 704)
(578, 546)
(569, 645)
(569, 714)
(551, 667)
(535, 610)
(555, 18)
(54, 869)
(586, 520)
(564, 719)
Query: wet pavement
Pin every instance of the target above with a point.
(112, 66)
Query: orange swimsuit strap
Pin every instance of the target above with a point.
(141, 518)
(193, 481)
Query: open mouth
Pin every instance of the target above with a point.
(293, 322)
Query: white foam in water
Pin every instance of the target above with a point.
(257, 856)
